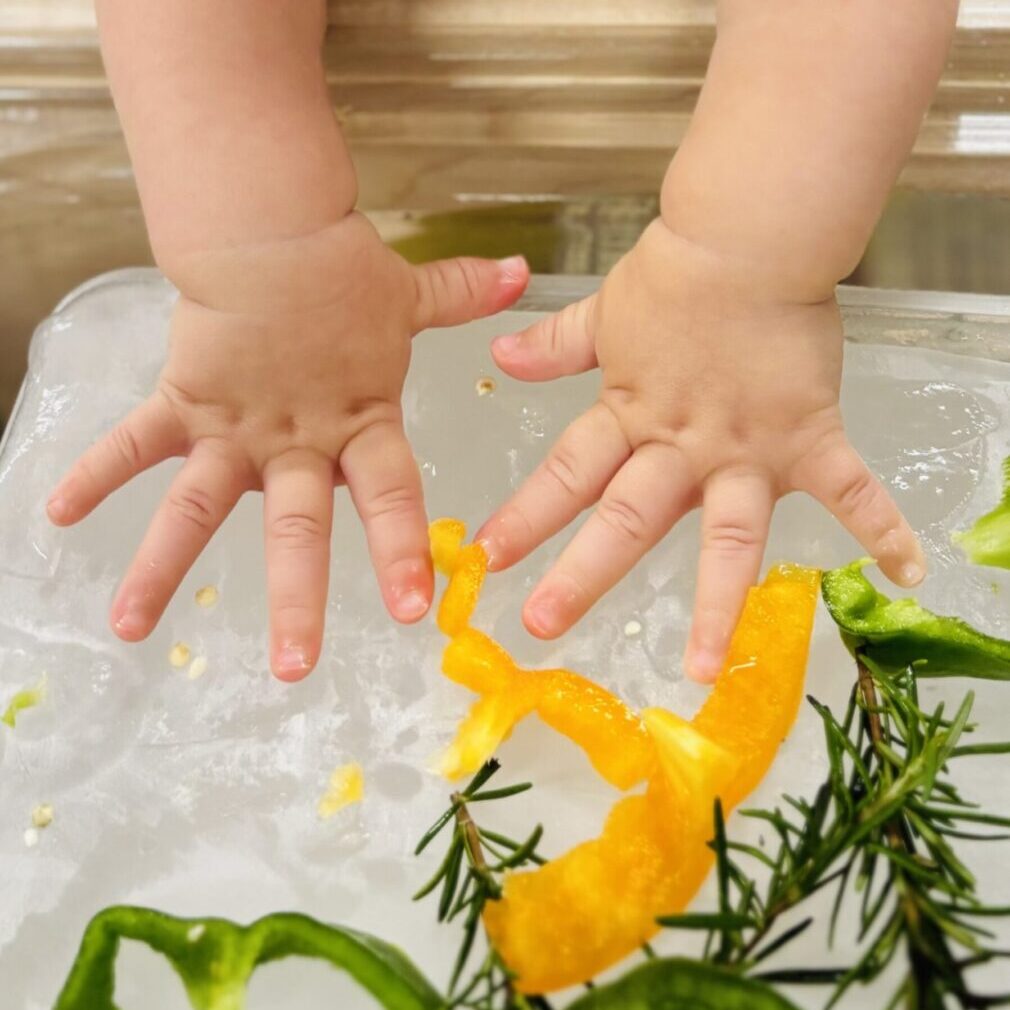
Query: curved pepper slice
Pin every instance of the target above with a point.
(754, 703)
(988, 540)
(682, 984)
(575, 916)
(467, 566)
(216, 958)
(613, 737)
(895, 634)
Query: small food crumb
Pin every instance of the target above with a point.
(632, 628)
(195, 932)
(347, 785)
(207, 596)
(485, 385)
(179, 654)
(31, 838)
(28, 698)
(42, 815)
(197, 668)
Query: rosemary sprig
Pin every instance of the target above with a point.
(466, 880)
(881, 826)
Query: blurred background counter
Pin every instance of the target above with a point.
(484, 127)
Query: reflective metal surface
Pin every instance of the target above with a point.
(541, 125)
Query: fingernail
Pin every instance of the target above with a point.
(506, 345)
(912, 574)
(490, 549)
(702, 665)
(513, 268)
(58, 509)
(543, 615)
(412, 606)
(131, 624)
(292, 662)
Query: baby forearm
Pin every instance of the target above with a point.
(805, 119)
(227, 119)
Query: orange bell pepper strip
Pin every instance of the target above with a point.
(575, 916)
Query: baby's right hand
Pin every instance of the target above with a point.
(285, 369)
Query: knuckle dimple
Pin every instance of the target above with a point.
(562, 468)
(857, 493)
(729, 537)
(423, 293)
(555, 334)
(468, 277)
(624, 519)
(396, 502)
(296, 531)
(125, 444)
(194, 507)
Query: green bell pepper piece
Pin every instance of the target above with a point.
(215, 958)
(896, 634)
(988, 541)
(680, 984)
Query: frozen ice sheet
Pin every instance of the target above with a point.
(199, 795)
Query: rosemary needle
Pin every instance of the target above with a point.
(880, 826)
(879, 830)
(467, 881)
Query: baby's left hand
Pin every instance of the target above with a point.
(715, 393)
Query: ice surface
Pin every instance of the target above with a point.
(199, 796)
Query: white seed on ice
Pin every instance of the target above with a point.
(42, 815)
(178, 656)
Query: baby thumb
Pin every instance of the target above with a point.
(454, 291)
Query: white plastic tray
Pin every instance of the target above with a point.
(199, 797)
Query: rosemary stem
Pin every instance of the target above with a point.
(791, 896)
(471, 840)
(871, 706)
(469, 829)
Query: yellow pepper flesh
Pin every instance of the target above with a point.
(568, 920)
